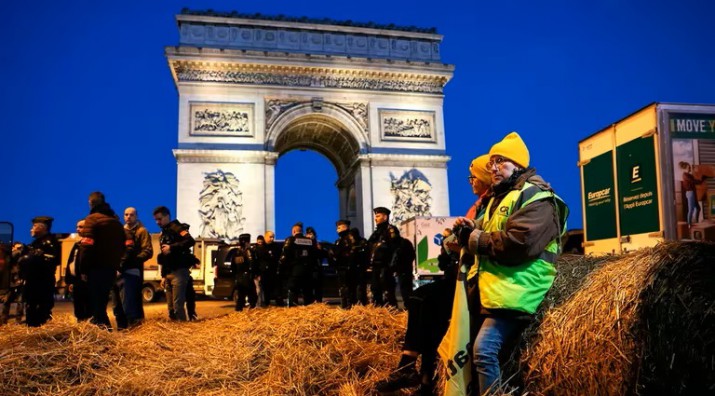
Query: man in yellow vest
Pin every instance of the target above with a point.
(517, 242)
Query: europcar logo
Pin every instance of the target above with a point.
(635, 173)
(600, 195)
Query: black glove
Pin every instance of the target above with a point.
(463, 235)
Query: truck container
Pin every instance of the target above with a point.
(635, 173)
(425, 233)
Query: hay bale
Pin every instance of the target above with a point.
(572, 271)
(643, 323)
(313, 350)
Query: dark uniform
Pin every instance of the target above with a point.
(317, 269)
(361, 259)
(80, 290)
(38, 268)
(267, 256)
(403, 266)
(297, 259)
(11, 284)
(383, 244)
(244, 271)
(178, 262)
(343, 257)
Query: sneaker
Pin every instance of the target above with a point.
(406, 377)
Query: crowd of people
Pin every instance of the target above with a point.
(505, 248)
(292, 274)
(106, 263)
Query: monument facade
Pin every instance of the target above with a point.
(251, 88)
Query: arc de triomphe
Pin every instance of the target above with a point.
(251, 88)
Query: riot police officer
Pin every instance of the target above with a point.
(383, 244)
(37, 268)
(343, 257)
(267, 255)
(175, 259)
(298, 256)
(244, 271)
(360, 257)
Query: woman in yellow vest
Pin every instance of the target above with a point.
(516, 242)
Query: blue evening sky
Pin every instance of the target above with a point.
(87, 101)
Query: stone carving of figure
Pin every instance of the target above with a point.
(411, 195)
(221, 206)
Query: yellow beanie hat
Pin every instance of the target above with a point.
(478, 169)
(513, 148)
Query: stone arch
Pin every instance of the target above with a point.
(329, 135)
(353, 95)
(328, 111)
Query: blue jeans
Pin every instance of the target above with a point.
(493, 334)
(179, 283)
(693, 207)
(132, 297)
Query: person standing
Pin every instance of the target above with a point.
(37, 268)
(517, 242)
(383, 244)
(688, 185)
(100, 251)
(430, 306)
(244, 272)
(297, 258)
(317, 269)
(361, 261)
(132, 270)
(345, 264)
(15, 285)
(403, 265)
(175, 258)
(77, 285)
(267, 255)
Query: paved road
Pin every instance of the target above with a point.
(206, 308)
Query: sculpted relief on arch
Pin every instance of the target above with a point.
(276, 106)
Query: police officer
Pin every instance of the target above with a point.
(244, 271)
(403, 267)
(267, 255)
(37, 268)
(383, 244)
(317, 269)
(343, 257)
(175, 259)
(298, 256)
(361, 261)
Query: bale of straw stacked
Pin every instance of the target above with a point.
(573, 270)
(313, 350)
(641, 324)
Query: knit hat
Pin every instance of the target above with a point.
(478, 169)
(513, 148)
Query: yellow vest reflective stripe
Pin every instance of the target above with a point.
(520, 287)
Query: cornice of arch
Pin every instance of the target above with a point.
(225, 156)
(404, 160)
(376, 75)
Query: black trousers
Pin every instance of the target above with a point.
(428, 315)
(245, 288)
